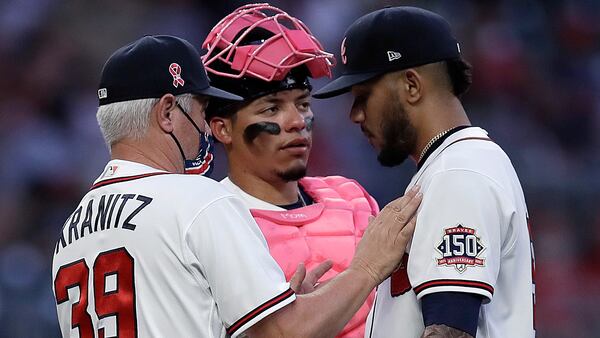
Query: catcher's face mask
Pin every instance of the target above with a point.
(290, 46)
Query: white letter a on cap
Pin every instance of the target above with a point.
(393, 55)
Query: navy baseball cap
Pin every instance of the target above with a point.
(152, 67)
(391, 39)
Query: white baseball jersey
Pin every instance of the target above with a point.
(471, 236)
(250, 201)
(153, 254)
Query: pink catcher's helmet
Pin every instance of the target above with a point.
(290, 45)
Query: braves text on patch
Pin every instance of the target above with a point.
(460, 247)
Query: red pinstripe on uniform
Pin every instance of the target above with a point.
(123, 179)
(262, 308)
(454, 282)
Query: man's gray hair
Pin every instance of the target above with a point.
(130, 119)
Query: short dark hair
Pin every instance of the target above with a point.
(223, 108)
(460, 75)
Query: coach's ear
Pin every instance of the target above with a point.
(163, 112)
(221, 129)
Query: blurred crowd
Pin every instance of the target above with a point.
(536, 91)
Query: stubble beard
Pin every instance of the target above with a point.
(292, 174)
(399, 135)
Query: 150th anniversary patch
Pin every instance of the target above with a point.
(460, 247)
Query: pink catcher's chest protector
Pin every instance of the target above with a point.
(328, 229)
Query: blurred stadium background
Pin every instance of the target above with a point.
(536, 90)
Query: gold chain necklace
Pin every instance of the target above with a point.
(432, 141)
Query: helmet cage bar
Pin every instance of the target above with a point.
(277, 69)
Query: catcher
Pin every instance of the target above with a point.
(266, 56)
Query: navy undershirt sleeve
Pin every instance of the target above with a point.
(458, 310)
